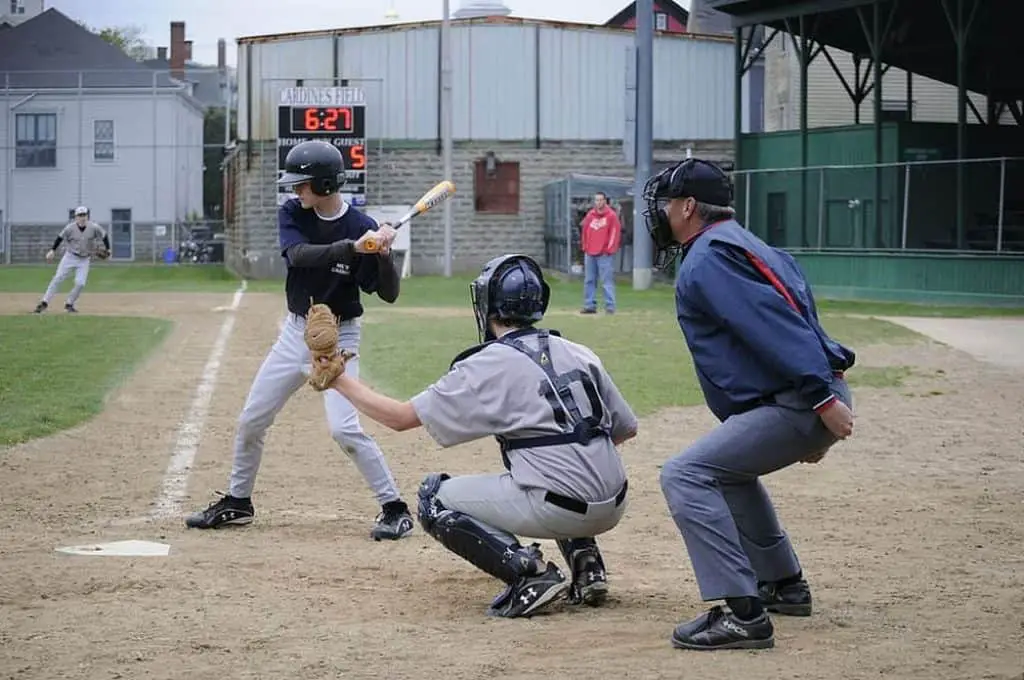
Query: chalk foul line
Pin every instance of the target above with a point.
(175, 484)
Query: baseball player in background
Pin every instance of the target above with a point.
(81, 239)
(774, 379)
(322, 239)
(558, 418)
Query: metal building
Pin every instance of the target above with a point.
(533, 101)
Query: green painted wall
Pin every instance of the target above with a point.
(985, 280)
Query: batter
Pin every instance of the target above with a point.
(558, 418)
(323, 241)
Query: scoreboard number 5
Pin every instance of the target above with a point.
(357, 156)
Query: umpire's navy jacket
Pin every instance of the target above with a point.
(750, 322)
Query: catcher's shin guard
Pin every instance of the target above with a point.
(491, 550)
(589, 582)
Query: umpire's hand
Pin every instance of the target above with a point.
(838, 418)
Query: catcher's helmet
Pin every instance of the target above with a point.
(691, 178)
(319, 163)
(511, 289)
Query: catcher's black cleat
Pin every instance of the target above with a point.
(589, 583)
(791, 599)
(719, 628)
(525, 597)
(228, 511)
(394, 522)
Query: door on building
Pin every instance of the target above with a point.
(776, 218)
(122, 241)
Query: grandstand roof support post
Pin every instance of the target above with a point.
(876, 65)
(738, 107)
(805, 52)
(961, 27)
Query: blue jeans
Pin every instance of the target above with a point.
(599, 267)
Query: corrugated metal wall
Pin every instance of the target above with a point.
(581, 88)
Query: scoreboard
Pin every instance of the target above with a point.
(336, 115)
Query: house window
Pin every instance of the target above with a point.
(103, 140)
(496, 186)
(17, 6)
(661, 21)
(35, 140)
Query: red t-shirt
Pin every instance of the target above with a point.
(601, 232)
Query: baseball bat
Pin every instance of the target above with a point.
(437, 195)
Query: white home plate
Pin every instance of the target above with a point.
(119, 549)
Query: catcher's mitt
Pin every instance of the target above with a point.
(321, 337)
(102, 253)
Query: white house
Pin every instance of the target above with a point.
(14, 12)
(84, 124)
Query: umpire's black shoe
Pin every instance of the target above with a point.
(394, 522)
(719, 628)
(228, 511)
(530, 593)
(792, 599)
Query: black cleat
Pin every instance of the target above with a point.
(718, 628)
(40, 308)
(525, 597)
(589, 584)
(70, 309)
(793, 599)
(394, 522)
(228, 511)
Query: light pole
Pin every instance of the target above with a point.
(446, 127)
(642, 247)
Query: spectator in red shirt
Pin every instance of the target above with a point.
(601, 236)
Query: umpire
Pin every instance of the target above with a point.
(774, 379)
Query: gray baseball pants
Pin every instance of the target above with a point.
(723, 511)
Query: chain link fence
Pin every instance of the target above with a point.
(973, 205)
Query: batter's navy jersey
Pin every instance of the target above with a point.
(338, 285)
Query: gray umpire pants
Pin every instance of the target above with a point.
(732, 534)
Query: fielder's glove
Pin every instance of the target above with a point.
(321, 337)
(102, 253)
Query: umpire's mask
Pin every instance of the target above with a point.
(691, 178)
(511, 289)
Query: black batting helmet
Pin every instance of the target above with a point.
(319, 163)
(511, 289)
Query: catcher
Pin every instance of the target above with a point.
(82, 240)
(323, 241)
(558, 418)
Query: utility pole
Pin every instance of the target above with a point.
(642, 246)
(446, 127)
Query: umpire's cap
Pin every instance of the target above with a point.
(512, 289)
(319, 163)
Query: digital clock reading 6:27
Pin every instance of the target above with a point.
(323, 119)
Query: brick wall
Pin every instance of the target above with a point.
(400, 175)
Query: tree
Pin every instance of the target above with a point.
(213, 154)
(128, 39)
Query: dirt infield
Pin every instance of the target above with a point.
(911, 534)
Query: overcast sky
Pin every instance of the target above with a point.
(208, 20)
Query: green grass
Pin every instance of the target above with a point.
(121, 278)
(405, 353)
(56, 371)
